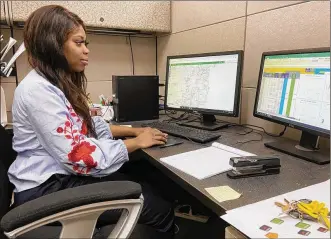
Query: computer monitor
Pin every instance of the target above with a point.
(207, 83)
(294, 90)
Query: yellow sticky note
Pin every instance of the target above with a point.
(223, 193)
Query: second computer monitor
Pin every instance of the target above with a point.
(294, 90)
(206, 83)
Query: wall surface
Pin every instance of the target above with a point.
(207, 26)
(109, 55)
(252, 26)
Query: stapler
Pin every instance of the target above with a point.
(252, 166)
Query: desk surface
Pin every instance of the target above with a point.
(295, 173)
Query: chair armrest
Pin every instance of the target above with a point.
(69, 198)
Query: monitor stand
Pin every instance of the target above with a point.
(305, 150)
(208, 123)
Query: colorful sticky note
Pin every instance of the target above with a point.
(302, 225)
(322, 229)
(265, 228)
(277, 221)
(304, 232)
(272, 235)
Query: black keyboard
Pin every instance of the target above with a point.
(197, 135)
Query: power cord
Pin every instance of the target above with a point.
(181, 117)
(172, 118)
(105, 111)
(246, 132)
(242, 142)
(250, 130)
(259, 127)
(272, 135)
(132, 60)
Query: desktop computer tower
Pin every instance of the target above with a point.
(135, 98)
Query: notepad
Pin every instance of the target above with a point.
(223, 193)
(206, 162)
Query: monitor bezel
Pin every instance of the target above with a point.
(236, 103)
(293, 124)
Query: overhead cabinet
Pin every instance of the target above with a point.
(145, 16)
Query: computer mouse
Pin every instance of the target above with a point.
(172, 142)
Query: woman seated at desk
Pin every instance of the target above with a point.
(59, 144)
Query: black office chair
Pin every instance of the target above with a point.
(77, 209)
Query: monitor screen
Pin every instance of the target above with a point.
(207, 83)
(294, 88)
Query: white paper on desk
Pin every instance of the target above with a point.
(250, 218)
(204, 163)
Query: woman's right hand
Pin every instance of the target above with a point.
(151, 137)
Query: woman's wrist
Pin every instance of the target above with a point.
(137, 131)
(123, 131)
(132, 144)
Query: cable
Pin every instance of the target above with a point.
(172, 118)
(246, 132)
(272, 135)
(259, 127)
(251, 140)
(105, 111)
(252, 131)
(197, 117)
(176, 229)
(132, 60)
(179, 118)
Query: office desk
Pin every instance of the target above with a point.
(295, 173)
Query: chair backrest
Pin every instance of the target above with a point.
(7, 156)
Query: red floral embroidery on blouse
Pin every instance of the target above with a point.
(72, 112)
(74, 115)
(84, 129)
(81, 150)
